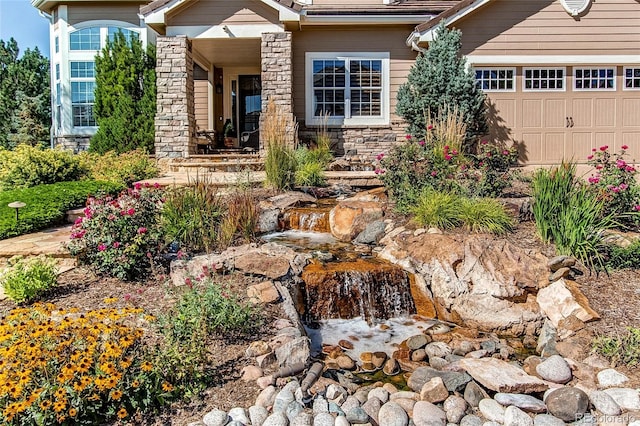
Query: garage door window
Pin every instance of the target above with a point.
(632, 78)
(496, 79)
(544, 79)
(594, 78)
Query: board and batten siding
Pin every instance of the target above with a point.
(201, 101)
(237, 12)
(543, 27)
(90, 12)
(378, 39)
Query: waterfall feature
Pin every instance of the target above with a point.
(310, 219)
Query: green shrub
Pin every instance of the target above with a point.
(191, 215)
(310, 174)
(125, 168)
(623, 349)
(29, 166)
(206, 309)
(24, 280)
(624, 257)
(570, 215)
(436, 208)
(485, 215)
(120, 237)
(47, 205)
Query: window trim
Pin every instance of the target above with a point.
(591, 89)
(385, 99)
(624, 78)
(497, 68)
(564, 79)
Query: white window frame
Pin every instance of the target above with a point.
(564, 79)
(498, 69)
(594, 89)
(381, 120)
(624, 78)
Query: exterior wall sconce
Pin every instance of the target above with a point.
(219, 88)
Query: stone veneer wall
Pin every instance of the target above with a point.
(175, 114)
(72, 143)
(277, 75)
(363, 143)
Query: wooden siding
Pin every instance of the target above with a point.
(125, 12)
(237, 12)
(351, 4)
(543, 27)
(379, 39)
(201, 95)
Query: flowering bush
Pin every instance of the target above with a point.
(492, 165)
(615, 182)
(121, 236)
(26, 279)
(69, 367)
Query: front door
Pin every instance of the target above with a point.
(249, 106)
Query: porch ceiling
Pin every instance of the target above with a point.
(229, 52)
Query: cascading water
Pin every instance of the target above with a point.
(310, 219)
(363, 288)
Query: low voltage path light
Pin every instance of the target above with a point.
(17, 205)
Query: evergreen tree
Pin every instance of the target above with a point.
(25, 103)
(125, 96)
(439, 82)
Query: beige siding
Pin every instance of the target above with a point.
(341, 4)
(215, 12)
(125, 12)
(543, 27)
(380, 39)
(201, 94)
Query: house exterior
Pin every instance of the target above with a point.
(562, 76)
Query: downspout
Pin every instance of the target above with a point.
(49, 17)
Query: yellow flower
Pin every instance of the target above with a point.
(45, 405)
(73, 412)
(59, 405)
(167, 387)
(122, 413)
(146, 366)
(109, 300)
(115, 394)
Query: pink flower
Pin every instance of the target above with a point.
(448, 157)
(127, 297)
(116, 244)
(188, 282)
(421, 143)
(434, 173)
(590, 157)
(593, 150)
(156, 185)
(594, 179)
(637, 208)
(429, 127)
(623, 186)
(599, 167)
(408, 137)
(111, 217)
(137, 185)
(604, 148)
(454, 152)
(78, 221)
(131, 211)
(379, 171)
(484, 142)
(615, 189)
(102, 247)
(78, 235)
(621, 164)
(624, 147)
(142, 230)
(630, 169)
(380, 156)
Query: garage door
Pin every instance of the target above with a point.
(564, 112)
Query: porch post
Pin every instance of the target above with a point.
(277, 73)
(175, 113)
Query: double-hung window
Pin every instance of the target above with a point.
(82, 88)
(347, 88)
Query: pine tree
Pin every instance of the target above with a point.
(25, 105)
(439, 82)
(125, 96)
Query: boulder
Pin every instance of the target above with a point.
(349, 218)
(371, 234)
(501, 376)
(567, 403)
(562, 299)
(452, 380)
(262, 264)
(264, 292)
(296, 351)
(427, 414)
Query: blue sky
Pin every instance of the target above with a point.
(20, 20)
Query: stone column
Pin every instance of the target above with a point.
(277, 75)
(175, 114)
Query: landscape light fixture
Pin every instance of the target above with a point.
(17, 205)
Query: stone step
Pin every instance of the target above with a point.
(216, 166)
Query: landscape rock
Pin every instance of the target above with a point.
(555, 369)
(262, 264)
(391, 414)
(547, 420)
(345, 362)
(452, 380)
(239, 414)
(524, 402)
(349, 218)
(418, 355)
(471, 420)
(278, 418)
(427, 414)
(491, 410)
(417, 341)
(567, 403)
(434, 391)
(257, 348)
(610, 378)
(547, 339)
(293, 410)
(437, 349)
(296, 351)
(216, 418)
(406, 404)
(323, 419)
(561, 261)
(371, 234)
(257, 415)
(473, 394)
(563, 298)
(282, 400)
(341, 421)
(335, 392)
(391, 367)
(303, 419)
(501, 376)
(320, 405)
(513, 416)
(604, 403)
(372, 408)
(380, 393)
(627, 399)
(251, 373)
(267, 397)
(455, 407)
(264, 292)
(357, 416)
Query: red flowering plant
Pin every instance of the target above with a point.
(120, 236)
(491, 166)
(614, 178)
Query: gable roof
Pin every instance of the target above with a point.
(156, 5)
